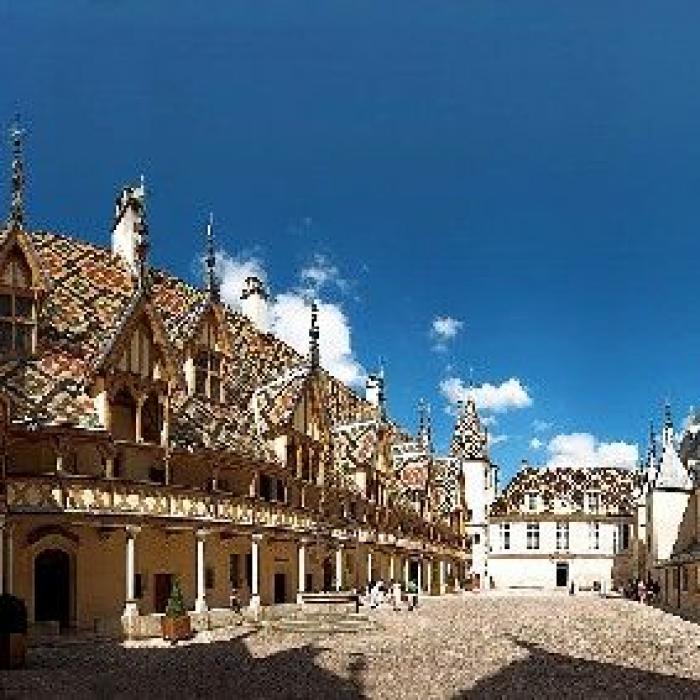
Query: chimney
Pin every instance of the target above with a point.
(374, 392)
(128, 231)
(254, 303)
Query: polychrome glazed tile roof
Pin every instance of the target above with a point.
(564, 488)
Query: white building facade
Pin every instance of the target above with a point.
(554, 527)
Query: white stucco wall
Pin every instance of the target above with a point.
(521, 567)
(665, 511)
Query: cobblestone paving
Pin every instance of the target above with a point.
(453, 647)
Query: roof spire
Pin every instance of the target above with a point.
(314, 335)
(143, 245)
(212, 281)
(16, 220)
(425, 430)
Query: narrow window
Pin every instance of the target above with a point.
(562, 536)
(533, 535)
(505, 536)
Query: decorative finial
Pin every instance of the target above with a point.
(425, 430)
(212, 281)
(144, 244)
(16, 220)
(314, 334)
(668, 421)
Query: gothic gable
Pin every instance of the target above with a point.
(140, 345)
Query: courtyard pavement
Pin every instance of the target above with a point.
(525, 646)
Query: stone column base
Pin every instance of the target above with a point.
(131, 609)
(200, 605)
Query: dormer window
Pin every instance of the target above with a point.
(17, 308)
(593, 501)
(531, 502)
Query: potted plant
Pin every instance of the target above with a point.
(13, 631)
(175, 624)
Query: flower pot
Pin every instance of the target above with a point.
(176, 628)
(13, 650)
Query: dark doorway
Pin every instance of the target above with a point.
(309, 583)
(280, 588)
(249, 571)
(327, 575)
(162, 585)
(562, 574)
(52, 587)
(413, 572)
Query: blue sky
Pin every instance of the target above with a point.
(528, 169)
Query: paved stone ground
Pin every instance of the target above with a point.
(454, 647)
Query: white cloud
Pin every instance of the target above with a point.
(585, 450)
(510, 394)
(290, 315)
(320, 273)
(541, 426)
(446, 327)
(290, 321)
(443, 329)
(536, 443)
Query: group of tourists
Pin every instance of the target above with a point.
(379, 593)
(643, 591)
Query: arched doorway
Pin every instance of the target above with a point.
(52, 587)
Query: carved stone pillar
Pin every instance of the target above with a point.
(256, 542)
(131, 607)
(301, 561)
(200, 604)
(140, 400)
(339, 568)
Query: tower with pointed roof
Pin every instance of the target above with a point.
(667, 497)
(469, 449)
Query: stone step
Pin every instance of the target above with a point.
(322, 627)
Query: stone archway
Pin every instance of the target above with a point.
(52, 587)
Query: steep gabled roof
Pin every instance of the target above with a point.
(569, 485)
(469, 440)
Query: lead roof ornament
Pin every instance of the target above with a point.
(16, 220)
(211, 279)
(314, 335)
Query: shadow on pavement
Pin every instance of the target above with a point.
(544, 674)
(216, 669)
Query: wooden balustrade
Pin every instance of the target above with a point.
(53, 493)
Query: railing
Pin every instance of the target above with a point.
(50, 493)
